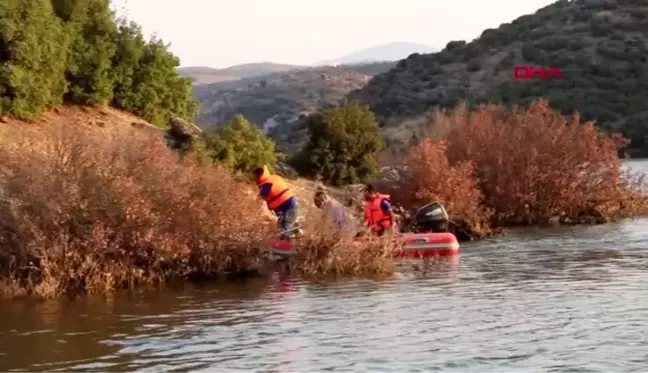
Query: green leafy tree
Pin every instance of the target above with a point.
(147, 81)
(33, 50)
(125, 64)
(343, 145)
(93, 28)
(242, 146)
(78, 52)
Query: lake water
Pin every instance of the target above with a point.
(566, 299)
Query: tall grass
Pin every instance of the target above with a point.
(93, 210)
(325, 252)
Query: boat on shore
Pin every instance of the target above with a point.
(415, 245)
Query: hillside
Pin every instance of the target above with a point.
(206, 75)
(276, 101)
(383, 52)
(370, 68)
(598, 45)
(104, 119)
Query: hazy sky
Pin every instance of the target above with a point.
(221, 33)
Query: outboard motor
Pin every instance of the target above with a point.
(432, 218)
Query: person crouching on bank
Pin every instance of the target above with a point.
(335, 213)
(280, 200)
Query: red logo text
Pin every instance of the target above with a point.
(530, 72)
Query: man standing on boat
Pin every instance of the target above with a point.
(335, 212)
(379, 215)
(280, 199)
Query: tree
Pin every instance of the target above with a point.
(242, 146)
(33, 50)
(147, 81)
(92, 26)
(78, 52)
(125, 63)
(343, 145)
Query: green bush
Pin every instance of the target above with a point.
(241, 146)
(342, 147)
(33, 50)
(92, 29)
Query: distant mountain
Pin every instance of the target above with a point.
(207, 75)
(276, 101)
(250, 70)
(368, 62)
(598, 45)
(383, 52)
(371, 68)
(275, 96)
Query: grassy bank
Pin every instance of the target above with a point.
(495, 167)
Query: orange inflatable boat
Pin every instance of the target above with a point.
(414, 245)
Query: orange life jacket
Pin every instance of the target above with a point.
(375, 217)
(279, 192)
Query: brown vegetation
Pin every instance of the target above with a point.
(432, 177)
(85, 209)
(91, 208)
(518, 166)
(324, 252)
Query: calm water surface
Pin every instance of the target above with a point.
(567, 299)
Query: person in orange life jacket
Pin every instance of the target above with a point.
(379, 215)
(279, 198)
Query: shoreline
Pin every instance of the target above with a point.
(266, 267)
(93, 208)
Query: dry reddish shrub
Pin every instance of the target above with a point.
(530, 165)
(431, 177)
(324, 252)
(85, 209)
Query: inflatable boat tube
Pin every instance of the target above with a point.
(414, 245)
